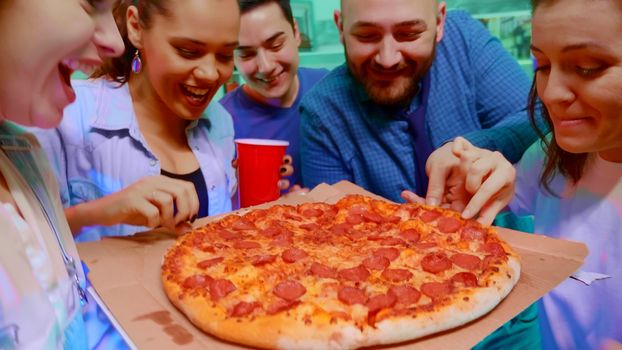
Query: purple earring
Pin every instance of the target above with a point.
(137, 64)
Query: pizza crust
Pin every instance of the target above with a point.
(288, 330)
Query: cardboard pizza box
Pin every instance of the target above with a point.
(126, 275)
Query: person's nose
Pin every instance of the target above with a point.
(556, 88)
(265, 63)
(107, 38)
(207, 69)
(389, 54)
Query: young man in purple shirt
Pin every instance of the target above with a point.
(266, 107)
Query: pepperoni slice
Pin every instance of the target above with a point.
(284, 239)
(351, 296)
(291, 216)
(435, 263)
(312, 213)
(228, 235)
(197, 281)
(220, 288)
(354, 219)
(246, 245)
(406, 295)
(397, 275)
(323, 271)
(389, 253)
(466, 278)
(281, 305)
(210, 262)
(376, 262)
(429, 215)
(466, 261)
(289, 290)
(425, 245)
(436, 290)
(370, 216)
(244, 309)
(379, 302)
(207, 249)
(341, 229)
(354, 235)
(354, 274)
(271, 231)
(473, 233)
(411, 235)
(310, 227)
(392, 241)
(259, 260)
(292, 255)
(243, 225)
(393, 219)
(448, 225)
(495, 249)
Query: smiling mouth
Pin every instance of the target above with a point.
(198, 96)
(270, 80)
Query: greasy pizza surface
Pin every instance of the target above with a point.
(353, 274)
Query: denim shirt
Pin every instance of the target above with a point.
(98, 149)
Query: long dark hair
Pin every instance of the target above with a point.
(570, 165)
(119, 68)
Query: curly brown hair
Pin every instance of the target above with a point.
(119, 68)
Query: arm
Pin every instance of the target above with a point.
(501, 89)
(148, 202)
(321, 160)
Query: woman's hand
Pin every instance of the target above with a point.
(468, 179)
(152, 201)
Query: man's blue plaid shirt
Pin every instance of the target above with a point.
(477, 90)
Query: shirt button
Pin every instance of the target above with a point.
(152, 162)
(196, 148)
(212, 188)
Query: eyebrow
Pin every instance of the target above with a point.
(270, 39)
(233, 44)
(413, 23)
(579, 46)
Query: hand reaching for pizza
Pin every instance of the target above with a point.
(153, 201)
(468, 179)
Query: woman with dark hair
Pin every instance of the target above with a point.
(571, 181)
(144, 147)
(42, 284)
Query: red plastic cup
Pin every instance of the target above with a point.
(259, 162)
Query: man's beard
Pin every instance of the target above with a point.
(396, 92)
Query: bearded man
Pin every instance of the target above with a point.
(415, 77)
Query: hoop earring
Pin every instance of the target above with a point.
(137, 64)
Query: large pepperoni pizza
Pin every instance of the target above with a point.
(356, 273)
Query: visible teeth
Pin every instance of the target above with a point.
(75, 65)
(197, 91)
(269, 80)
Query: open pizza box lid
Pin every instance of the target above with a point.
(126, 275)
